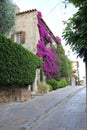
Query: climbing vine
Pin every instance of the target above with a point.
(48, 57)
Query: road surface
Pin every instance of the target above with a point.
(63, 109)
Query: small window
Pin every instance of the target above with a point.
(18, 37)
(47, 42)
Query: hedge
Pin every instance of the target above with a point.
(17, 64)
(57, 84)
(62, 83)
(53, 83)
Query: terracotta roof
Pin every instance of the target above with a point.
(28, 11)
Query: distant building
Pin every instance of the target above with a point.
(75, 73)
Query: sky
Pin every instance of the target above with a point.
(54, 12)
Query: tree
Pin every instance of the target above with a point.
(7, 16)
(65, 69)
(75, 33)
(77, 3)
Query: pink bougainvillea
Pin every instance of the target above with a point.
(58, 39)
(43, 31)
(49, 60)
(47, 55)
(39, 15)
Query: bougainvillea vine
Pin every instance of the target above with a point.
(47, 55)
(58, 39)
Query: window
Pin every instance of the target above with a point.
(47, 42)
(18, 37)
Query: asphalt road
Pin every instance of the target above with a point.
(63, 109)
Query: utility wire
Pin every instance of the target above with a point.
(63, 2)
(52, 9)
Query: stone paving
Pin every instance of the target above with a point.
(70, 116)
(58, 110)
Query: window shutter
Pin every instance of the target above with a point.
(22, 37)
(12, 37)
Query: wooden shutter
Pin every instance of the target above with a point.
(22, 37)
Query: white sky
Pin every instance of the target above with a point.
(53, 12)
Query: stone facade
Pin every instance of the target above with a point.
(9, 94)
(27, 22)
(75, 73)
(26, 27)
(26, 32)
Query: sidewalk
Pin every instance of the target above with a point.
(20, 116)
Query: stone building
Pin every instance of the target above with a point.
(75, 73)
(26, 32)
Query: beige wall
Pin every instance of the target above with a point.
(75, 68)
(27, 22)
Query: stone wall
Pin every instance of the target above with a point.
(27, 22)
(8, 94)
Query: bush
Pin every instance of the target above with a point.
(43, 87)
(53, 83)
(62, 83)
(57, 84)
(17, 64)
(50, 88)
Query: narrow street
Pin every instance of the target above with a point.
(68, 116)
(63, 109)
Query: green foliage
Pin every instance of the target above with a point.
(7, 16)
(75, 32)
(60, 49)
(53, 83)
(62, 83)
(17, 65)
(77, 3)
(65, 69)
(69, 67)
(41, 74)
(50, 88)
(57, 84)
(43, 87)
(66, 66)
